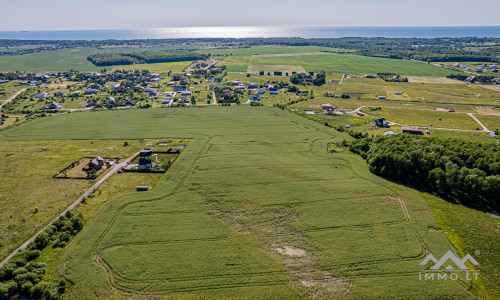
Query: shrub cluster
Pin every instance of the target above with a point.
(23, 273)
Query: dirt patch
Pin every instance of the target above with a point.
(272, 225)
(490, 87)
(326, 286)
(291, 251)
(428, 79)
(487, 110)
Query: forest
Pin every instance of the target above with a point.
(458, 170)
(111, 59)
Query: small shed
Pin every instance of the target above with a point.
(142, 188)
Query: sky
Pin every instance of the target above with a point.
(140, 14)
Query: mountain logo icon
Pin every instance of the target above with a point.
(449, 256)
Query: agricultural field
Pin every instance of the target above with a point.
(64, 59)
(256, 206)
(255, 69)
(263, 50)
(339, 63)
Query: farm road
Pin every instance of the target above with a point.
(12, 97)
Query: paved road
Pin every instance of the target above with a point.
(113, 170)
(13, 97)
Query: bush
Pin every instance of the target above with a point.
(26, 287)
(42, 240)
(77, 223)
(37, 290)
(64, 237)
(4, 291)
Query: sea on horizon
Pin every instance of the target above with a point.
(258, 32)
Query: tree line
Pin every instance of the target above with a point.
(463, 171)
(111, 59)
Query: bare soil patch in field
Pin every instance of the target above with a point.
(491, 87)
(291, 251)
(429, 79)
(487, 110)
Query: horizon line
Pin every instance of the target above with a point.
(250, 26)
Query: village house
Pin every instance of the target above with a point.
(236, 82)
(59, 94)
(145, 162)
(381, 122)
(273, 91)
(186, 93)
(42, 95)
(145, 152)
(127, 102)
(185, 101)
(91, 103)
(253, 85)
(95, 86)
(110, 100)
(54, 105)
(255, 97)
(96, 164)
(90, 91)
(179, 88)
(167, 101)
(152, 92)
(411, 130)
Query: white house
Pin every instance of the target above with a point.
(110, 100)
(42, 95)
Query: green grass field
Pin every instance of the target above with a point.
(254, 207)
(66, 59)
(492, 122)
(338, 63)
(266, 50)
(416, 117)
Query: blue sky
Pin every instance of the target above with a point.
(132, 14)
